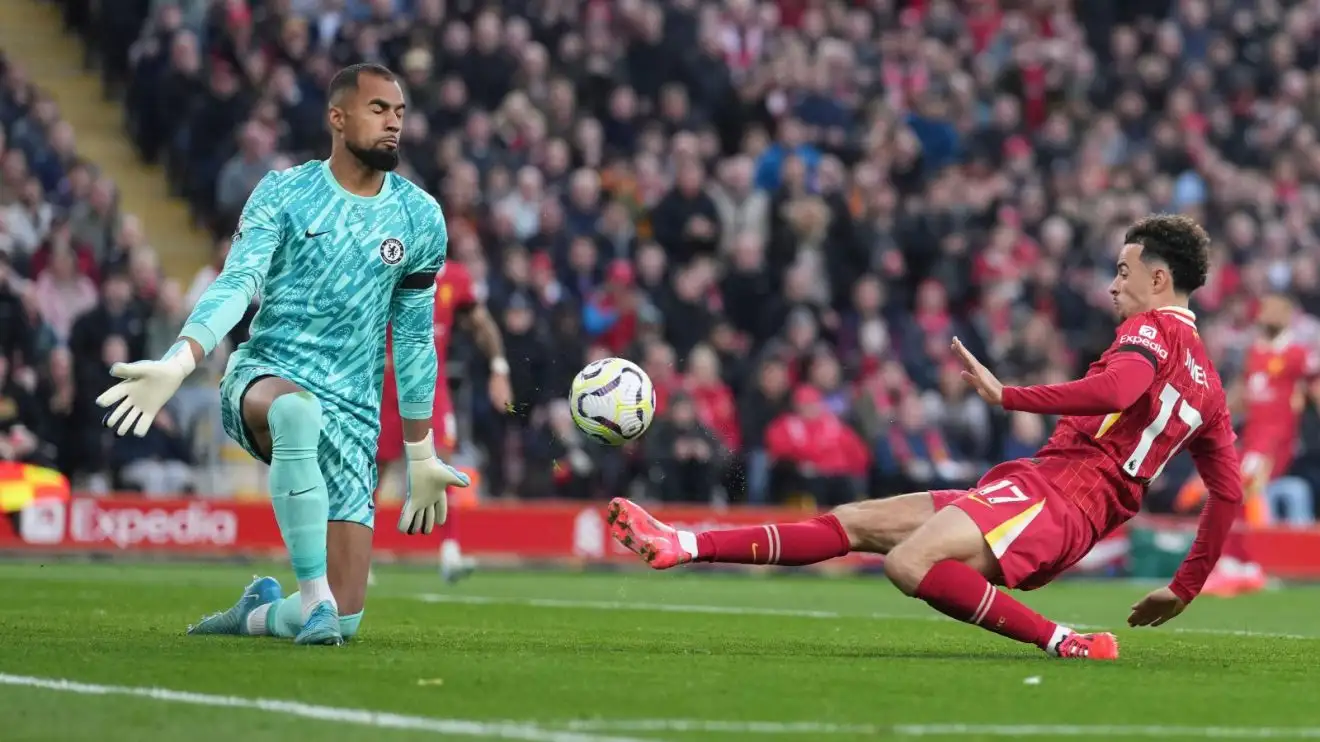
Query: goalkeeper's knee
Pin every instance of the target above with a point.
(348, 625)
(295, 426)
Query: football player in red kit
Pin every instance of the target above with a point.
(456, 304)
(1152, 394)
(1271, 397)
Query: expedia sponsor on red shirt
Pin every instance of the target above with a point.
(1145, 342)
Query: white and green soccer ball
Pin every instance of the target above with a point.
(612, 400)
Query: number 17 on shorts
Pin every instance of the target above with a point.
(1007, 513)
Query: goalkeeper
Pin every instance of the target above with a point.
(335, 250)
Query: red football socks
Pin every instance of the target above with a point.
(960, 592)
(789, 544)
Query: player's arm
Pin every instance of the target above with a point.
(1137, 353)
(146, 386)
(1217, 462)
(1127, 376)
(416, 364)
(1123, 381)
(416, 369)
(224, 302)
(477, 319)
(1311, 374)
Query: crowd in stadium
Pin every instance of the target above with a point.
(782, 209)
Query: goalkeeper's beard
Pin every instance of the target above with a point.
(380, 159)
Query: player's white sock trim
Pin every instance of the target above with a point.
(256, 620)
(688, 541)
(1060, 633)
(313, 593)
(987, 600)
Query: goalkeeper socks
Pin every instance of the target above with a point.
(282, 618)
(298, 492)
(348, 625)
(285, 618)
(960, 592)
(788, 544)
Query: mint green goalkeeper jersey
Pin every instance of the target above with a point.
(331, 270)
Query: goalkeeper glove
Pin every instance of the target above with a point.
(428, 479)
(146, 387)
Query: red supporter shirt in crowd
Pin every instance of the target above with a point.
(1158, 374)
(1275, 376)
(718, 411)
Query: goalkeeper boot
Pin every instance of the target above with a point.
(321, 627)
(655, 542)
(1102, 646)
(261, 591)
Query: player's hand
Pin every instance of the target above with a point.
(146, 387)
(501, 392)
(974, 373)
(1156, 608)
(429, 478)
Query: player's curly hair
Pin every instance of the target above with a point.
(1178, 242)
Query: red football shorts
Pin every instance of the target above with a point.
(1033, 531)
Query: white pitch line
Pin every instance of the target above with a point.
(613, 605)
(359, 717)
(701, 726)
(619, 605)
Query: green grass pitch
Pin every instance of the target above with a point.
(98, 652)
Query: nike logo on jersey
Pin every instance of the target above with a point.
(311, 234)
(300, 492)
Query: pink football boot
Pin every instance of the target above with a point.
(655, 542)
(1089, 647)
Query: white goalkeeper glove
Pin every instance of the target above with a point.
(428, 477)
(146, 387)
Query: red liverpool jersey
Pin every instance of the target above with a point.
(1105, 462)
(453, 292)
(1274, 395)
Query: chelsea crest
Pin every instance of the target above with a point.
(391, 251)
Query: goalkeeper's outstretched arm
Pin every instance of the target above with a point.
(223, 303)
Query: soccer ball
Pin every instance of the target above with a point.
(612, 400)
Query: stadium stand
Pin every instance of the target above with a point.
(782, 209)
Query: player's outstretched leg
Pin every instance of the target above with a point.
(302, 508)
(258, 596)
(662, 546)
(945, 563)
(871, 526)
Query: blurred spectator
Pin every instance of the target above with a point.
(64, 294)
(156, 464)
(813, 451)
(21, 419)
(916, 456)
(244, 170)
(684, 456)
(28, 219)
(761, 404)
